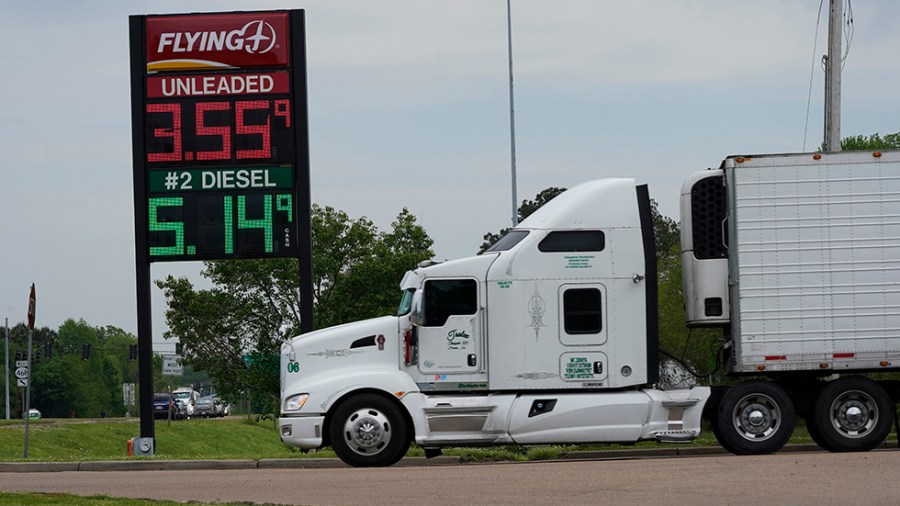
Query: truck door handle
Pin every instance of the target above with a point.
(472, 360)
(637, 278)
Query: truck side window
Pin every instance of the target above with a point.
(582, 310)
(573, 241)
(448, 297)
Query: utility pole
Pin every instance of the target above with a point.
(7, 368)
(833, 78)
(512, 118)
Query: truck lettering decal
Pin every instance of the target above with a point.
(579, 261)
(578, 368)
(457, 339)
(536, 375)
(536, 310)
(333, 353)
(504, 284)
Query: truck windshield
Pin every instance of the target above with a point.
(406, 302)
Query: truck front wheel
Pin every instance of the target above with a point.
(852, 414)
(754, 418)
(368, 430)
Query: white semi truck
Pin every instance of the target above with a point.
(550, 336)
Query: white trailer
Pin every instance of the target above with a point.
(551, 335)
(797, 258)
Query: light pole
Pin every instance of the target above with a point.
(512, 117)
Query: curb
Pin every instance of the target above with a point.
(332, 463)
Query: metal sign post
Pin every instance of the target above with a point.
(32, 303)
(6, 348)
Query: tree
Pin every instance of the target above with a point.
(234, 330)
(874, 141)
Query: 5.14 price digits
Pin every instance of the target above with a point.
(260, 222)
(237, 130)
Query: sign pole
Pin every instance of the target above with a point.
(32, 304)
(6, 348)
(142, 261)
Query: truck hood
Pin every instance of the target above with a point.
(341, 340)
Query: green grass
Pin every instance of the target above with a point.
(83, 440)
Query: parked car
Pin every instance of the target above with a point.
(206, 407)
(163, 403)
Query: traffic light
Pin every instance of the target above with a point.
(18, 355)
(48, 349)
(132, 352)
(85, 351)
(178, 348)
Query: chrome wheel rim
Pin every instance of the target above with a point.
(854, 413)
(367, 431)
(757, 417)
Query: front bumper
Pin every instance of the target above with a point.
(302, 431)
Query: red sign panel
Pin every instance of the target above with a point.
(217, 41)
(200, 85)
(32, 304)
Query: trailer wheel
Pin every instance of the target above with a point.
(853, 414)
(368, 430)
(754, 418)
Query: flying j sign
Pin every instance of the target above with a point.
(219, 41)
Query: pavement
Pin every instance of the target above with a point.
(150, 464)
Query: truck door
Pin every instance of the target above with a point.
(450, 337)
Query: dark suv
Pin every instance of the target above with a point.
(162, 403)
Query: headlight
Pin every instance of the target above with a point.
(295, 402)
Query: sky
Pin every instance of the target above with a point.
(409, 107)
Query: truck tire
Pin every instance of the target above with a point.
(853, 414)
(368, 430)
(754, 418)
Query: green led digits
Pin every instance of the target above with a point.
(265, 223)
(229, 225)
(285, 202)
(170, 226)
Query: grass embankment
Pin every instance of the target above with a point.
(76, 440)
(73, 440)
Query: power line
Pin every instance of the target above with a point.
(812, 69)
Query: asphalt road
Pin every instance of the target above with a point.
(871, 478)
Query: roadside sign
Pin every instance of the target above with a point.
(22, 373)
(21, 363)
(172, 366)
(21, 382)
(31, 308)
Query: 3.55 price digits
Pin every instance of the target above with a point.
(229, 226)
(240, 130)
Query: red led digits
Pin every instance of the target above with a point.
(231, 131)
(223, 131)
(264, 130)
(283, 109)
(161, 133)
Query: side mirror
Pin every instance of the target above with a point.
(417, 314)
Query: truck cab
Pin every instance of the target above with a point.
(547, 337)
